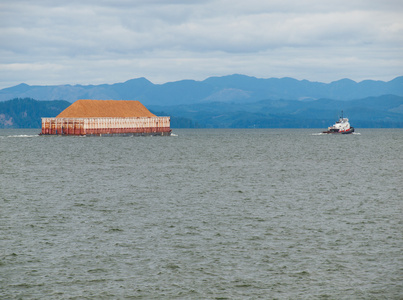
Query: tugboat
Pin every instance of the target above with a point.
(342, 126)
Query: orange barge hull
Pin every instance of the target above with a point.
(106, 126)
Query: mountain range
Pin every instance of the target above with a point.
(230, 89)
(234, 101)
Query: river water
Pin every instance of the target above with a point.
(203, 214)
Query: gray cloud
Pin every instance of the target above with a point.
(88, 42)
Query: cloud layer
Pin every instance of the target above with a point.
(90, 42)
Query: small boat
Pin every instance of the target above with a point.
(342, 126)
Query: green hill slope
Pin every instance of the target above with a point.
(27, 112)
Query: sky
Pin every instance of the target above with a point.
(51, 42)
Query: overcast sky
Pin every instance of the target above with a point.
(46, 42)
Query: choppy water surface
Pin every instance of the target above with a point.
(206, 214)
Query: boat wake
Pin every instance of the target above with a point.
(173, 134)
(22, 136)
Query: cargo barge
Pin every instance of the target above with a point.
(106, 126)
(106, 118)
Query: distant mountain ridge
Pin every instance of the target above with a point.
(228, 89)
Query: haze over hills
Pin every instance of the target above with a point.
(230, 89)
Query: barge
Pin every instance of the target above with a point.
(106, 118)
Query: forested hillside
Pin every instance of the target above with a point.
(27, 112)
(372, 112)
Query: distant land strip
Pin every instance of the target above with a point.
(371, 112)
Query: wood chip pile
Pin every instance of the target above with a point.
(105, 109)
